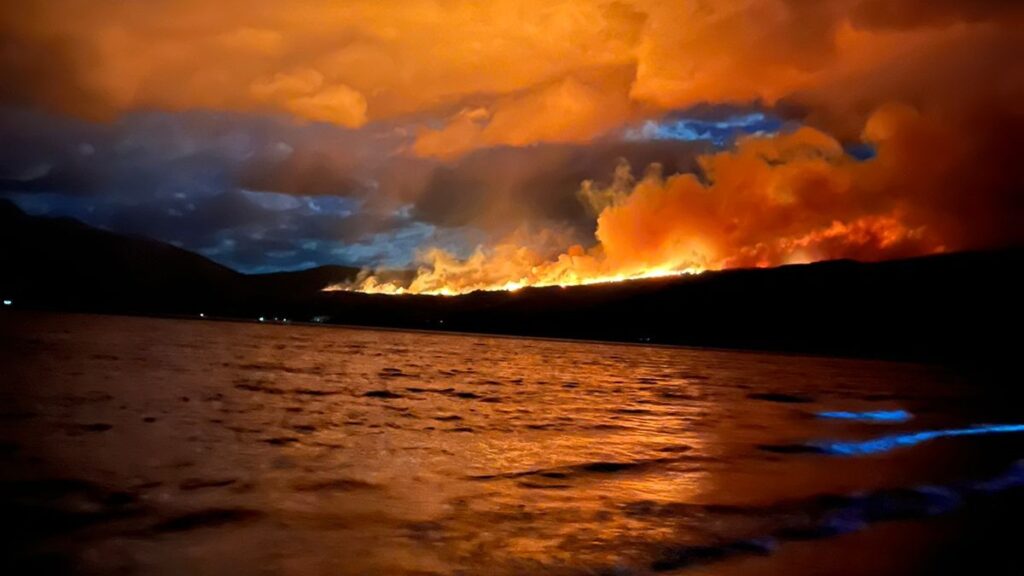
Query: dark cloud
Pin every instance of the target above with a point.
(503, 188)
(250, 231)
(305, 173)
(139, 153)
(254, 193)
(45, 153)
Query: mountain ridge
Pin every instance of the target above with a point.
(940, 307)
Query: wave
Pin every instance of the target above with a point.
(827, 516)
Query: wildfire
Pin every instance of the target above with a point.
(782, 199)
(371, 285)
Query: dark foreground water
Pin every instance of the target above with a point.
(147, 446)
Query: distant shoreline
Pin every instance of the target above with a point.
(446, 332)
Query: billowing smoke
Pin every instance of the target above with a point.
(937, 100)
(793, 197)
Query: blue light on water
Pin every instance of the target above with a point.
(892, 442)
(870, 416)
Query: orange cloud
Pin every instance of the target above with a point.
(567, 111)
(374, 60)
(544, 71)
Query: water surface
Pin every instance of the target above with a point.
(155, 446)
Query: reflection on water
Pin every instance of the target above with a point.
(869, 416)
(894, 441)
(168, 446)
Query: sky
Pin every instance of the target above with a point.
(495, 144)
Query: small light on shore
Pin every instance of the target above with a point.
(261, 319)
(201, 315)
(8, 302)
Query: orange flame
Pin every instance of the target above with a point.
(790, 198)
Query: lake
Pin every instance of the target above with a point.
(168, 446)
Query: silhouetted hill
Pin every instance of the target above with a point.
(945, 307)
(952, 307)
(64, 264)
